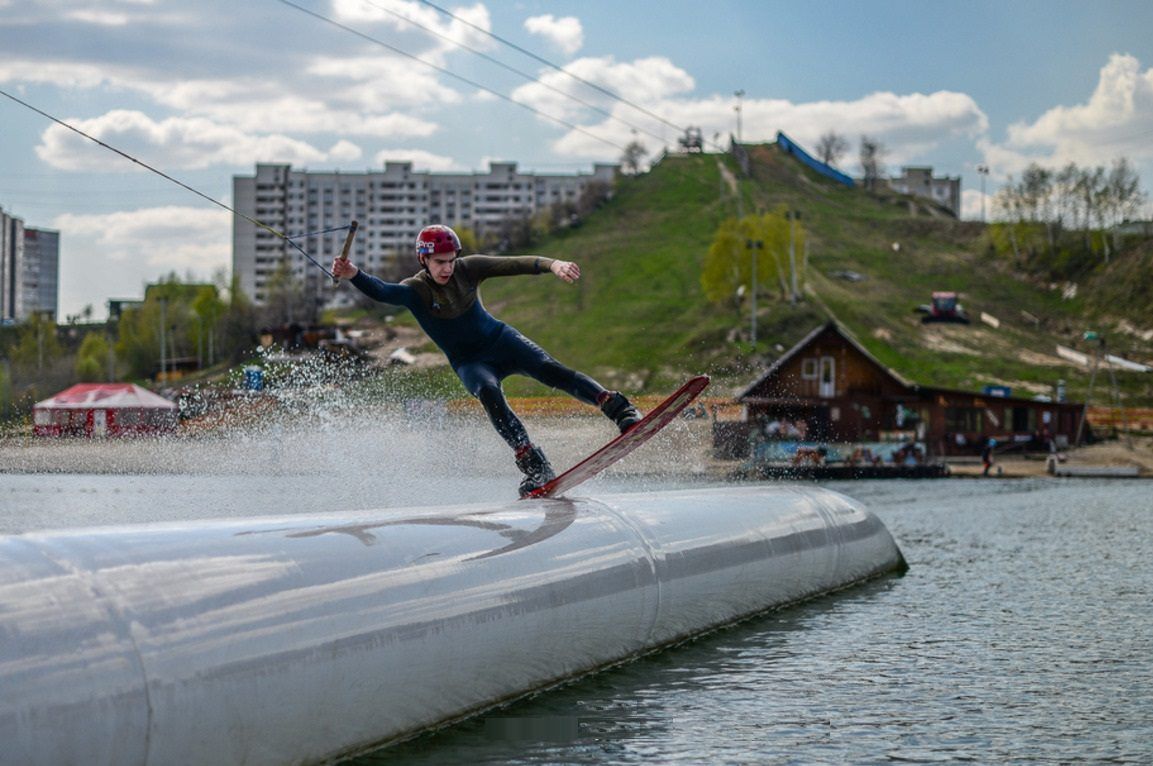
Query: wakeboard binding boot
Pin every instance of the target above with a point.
(619, 410)
(535, 467)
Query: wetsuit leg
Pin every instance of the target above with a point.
(482, 381)
(527, 358)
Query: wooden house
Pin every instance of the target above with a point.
(829, 388)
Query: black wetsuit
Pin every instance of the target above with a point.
(482, 350)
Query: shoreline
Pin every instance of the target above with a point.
(567, 440)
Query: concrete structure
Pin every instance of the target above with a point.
(391, 205)
(42, 270)
(305, 638)
(29, 269)
(919, 182)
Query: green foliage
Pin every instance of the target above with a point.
(766, 238)
(92, 358)
(37, 346)
(193, 320)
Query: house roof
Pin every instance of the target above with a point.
(917, 388)
(86, 396)
(804, 343)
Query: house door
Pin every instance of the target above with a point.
(99, 422)
(828, 378)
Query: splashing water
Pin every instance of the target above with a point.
(312, 443)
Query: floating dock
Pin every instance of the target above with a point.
(303, 639)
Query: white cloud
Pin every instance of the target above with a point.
(421, 160)
(565, 33)
(909, 126)
(177, 142)
(172, 238)
(117, 254)
(644, 81)
(345, 151)
(1116, 121)
(443, 34)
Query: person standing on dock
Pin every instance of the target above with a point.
(987, 455)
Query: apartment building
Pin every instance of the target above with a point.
(391, 205)
(29, 269)
(919, 182)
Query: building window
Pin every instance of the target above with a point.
(809, 369)
(964, 420)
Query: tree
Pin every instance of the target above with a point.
(831, 146)
(728, 265)
(92, 358)
(872, 156)
(631, 159)
(38, 346)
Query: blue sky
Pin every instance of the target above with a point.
(203, 90)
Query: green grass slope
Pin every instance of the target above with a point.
(638, 319)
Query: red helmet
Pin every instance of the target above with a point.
(436, 239)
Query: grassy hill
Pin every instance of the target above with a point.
(638, 319)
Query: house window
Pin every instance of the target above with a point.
(963, 420)
(809, 369)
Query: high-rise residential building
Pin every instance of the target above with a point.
(29, 269)
(42, 271)
(11, 255)
(391, 205)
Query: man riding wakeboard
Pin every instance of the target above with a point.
(444, 296)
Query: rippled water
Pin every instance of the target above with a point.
(1022, 633)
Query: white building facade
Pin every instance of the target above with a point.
(29, 270)
(919, 182)
(391, 205)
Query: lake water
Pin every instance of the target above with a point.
(1022, 633)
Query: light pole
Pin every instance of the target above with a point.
(983, 171)
(739, 94)
(753, 246)
(793, 216)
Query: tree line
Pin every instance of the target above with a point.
(1064, 222)
(175, 323)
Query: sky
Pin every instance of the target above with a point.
(204, 90)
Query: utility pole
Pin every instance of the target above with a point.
(163, 350)
(793, 216)
(983, 171)
(739, 94)
(754, 246)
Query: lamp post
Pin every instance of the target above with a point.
(793, 216)
(739, 94)
(753, 246)
(983, 171)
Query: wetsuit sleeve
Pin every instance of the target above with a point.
(485, 266)
(385, 292)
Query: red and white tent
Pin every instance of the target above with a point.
(103, 409)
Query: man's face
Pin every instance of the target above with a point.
(440, 266)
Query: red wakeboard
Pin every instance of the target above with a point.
(659, 417)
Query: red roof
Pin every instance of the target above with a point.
(86, 396)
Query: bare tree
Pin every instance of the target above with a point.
(872, 155)
(631, 159)
(831, 146)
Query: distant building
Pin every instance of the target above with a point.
(42, 270)
(391, 205)
(842, 393)
(29, 269)
(919, 182)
